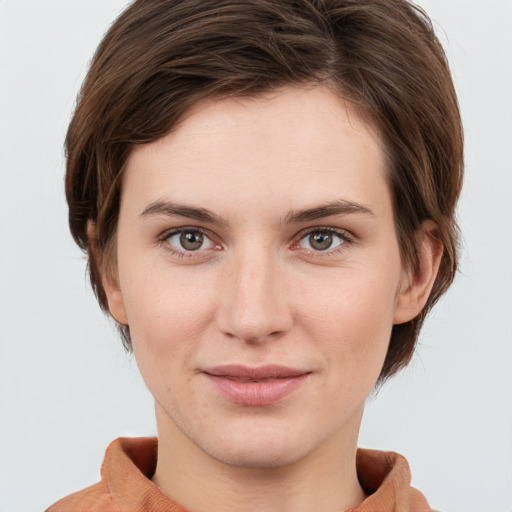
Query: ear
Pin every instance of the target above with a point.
(416, 286)
(109, 280)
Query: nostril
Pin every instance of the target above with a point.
(273, 334)
(252, 340)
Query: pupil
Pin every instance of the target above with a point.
(191, 240)
(320, 241)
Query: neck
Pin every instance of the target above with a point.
(325, 479)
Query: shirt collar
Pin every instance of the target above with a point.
(130, 464)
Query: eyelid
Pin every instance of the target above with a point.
(346, 236)
(168, 233)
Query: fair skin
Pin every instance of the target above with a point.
(260, 232)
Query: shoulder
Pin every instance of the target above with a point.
(125, 480)
(95, 498)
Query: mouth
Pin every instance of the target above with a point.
(258, 386)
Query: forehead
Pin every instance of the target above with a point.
(293, 144)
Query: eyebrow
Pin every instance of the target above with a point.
(339, 207)
(181, 210)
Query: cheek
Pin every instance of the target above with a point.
(167, 308)
(352, 317)
(168, 314)
(352, 300)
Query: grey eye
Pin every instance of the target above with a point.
(321, 240)
(189, 240)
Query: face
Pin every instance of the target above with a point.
(259, 272)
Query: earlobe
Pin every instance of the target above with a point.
(108, 279)
(416, 286)
(114, 297)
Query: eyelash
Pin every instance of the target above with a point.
(345, 237)
(163, 240)
(346, 240)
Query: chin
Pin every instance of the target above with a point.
(257, 457)
(259, 448)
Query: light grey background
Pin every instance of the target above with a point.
(66, 387)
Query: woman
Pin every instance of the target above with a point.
(266, 194)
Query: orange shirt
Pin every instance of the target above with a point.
(129, 463)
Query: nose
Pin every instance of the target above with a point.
(254, 302)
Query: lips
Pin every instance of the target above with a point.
(259, 386)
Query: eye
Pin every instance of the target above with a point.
(322, 240)
(188, 240)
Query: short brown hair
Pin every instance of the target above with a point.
(160, 57)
